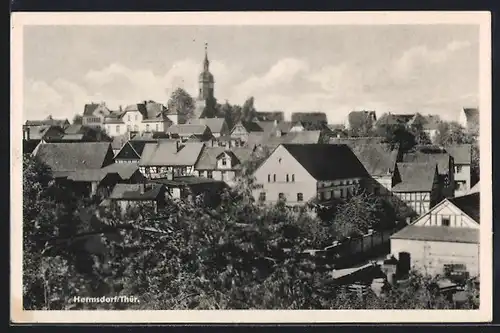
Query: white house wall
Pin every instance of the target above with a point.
(446, 209)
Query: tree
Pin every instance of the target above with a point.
(421, 137)
(226, 112)
(248, 111)
(360, 124)
(397, 134)
(77, 119)
(181, 102)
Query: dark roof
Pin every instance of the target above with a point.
(415, 177)
(209, 155)
(475, 189)
(165, 153)
(124, 170)
(461, 153)
(133, 192)
(89, 109)
(394, 119)
(429, 154)
(74, 156)
(438, 234)
(471, 113)
(309, 117)
(469, 204)
(216, 125)
(29, 146)
(353, 141)
(48, 121)
(251, 126)
(327, 161)
(38, 132)
(379, 159)
(139, 107)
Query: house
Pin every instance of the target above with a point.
(81, 163)
(359, 117)
(49, 121)
(94, 114)
(147, 116)
(81, 133)
(218, 126)
(298, 173)
(131, 151)
(186, 131)
(169, 158)
(417, 184)
(428, 123)
(439, 155)
(227, 141)
(271, 140)
(462, 167)
(379, 160)
(188, 187)
(222, 164)
(242, 129)
(34, 134)
(394, 119)
(443, 241)
(129, 196)
(469, 119)
(275, 128)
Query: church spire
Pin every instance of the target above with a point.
(206, 62)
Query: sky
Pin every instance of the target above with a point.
(332, 69)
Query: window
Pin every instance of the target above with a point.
(224, 162)
(268, 178)
(293, 178)
(300, 197)
(262, 196)
(281, 196)
(287, 178)
(147, 128)
(117, 128)
(274, 178)
(458, 168)
(445, 221)
(209, 174)
(128, 116)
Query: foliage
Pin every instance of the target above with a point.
(183, 103)
(360, 124)
(397, 134)
(77, 119)
(248, 112)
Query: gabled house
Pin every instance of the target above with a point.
(129, 196)
(443, 241)
(33, 135)
(186, 131)
(428, 123)
(462, 167)
(114, 124)
(81, 133)
(169, 159)
(82, 163)
(417, 184)
(299, 173)
(49, 121)
(310, 118)
(218, 126)
(222, 164)
(131, 151)
(94, 114)
(443, 159)
(242, 129)
(469, 119)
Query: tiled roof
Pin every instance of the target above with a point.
(89, 109)
(125, 170)
(469, 204)
(133, 192)
(438, 234)
(74, 129)
(378, 159)
(461, 153)
(327, 161)
(429, 155)
(353, 141)
(208, 158)
(48, 121)
(72, 137)
(393, 119)
(38, 132)
(29, 146)
(415, 177)
(165, 153)
(74, 156)
(242, 153)
(216, 125)
(187, 129)
(309, 117)
(139, 107)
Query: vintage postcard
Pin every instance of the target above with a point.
(251, 167)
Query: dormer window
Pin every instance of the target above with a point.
(224, 162)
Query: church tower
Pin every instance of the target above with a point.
(206, 88)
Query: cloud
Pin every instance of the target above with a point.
(419, 79)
